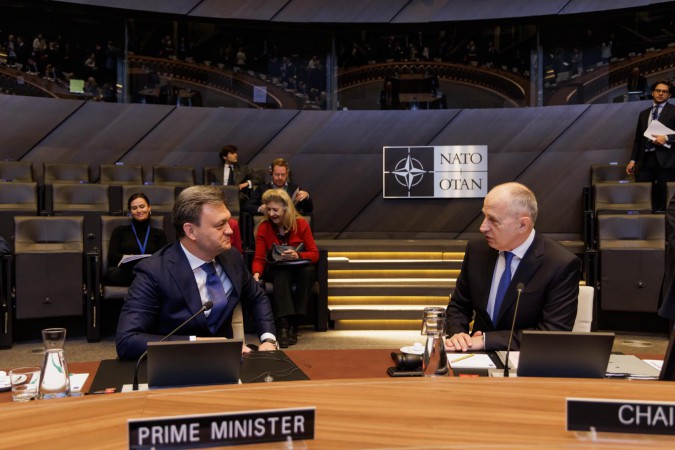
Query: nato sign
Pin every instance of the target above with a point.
(448, 171)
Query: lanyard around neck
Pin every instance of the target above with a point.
(145, 243)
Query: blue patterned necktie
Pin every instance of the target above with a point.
(504, 282)
(655, 112)
(217, 295)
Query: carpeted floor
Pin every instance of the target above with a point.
(78, 349)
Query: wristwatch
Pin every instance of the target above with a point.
(271, 341)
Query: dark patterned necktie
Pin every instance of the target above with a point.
(217, 295)
(504, 282)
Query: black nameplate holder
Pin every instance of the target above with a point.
(620, 416)
(216, 430)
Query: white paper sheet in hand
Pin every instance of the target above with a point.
(656, 128)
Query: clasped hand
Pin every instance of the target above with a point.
(462, 342)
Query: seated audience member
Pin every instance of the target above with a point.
(280, 171)
(234, 173)
(137, 238)
(175, 282)
(283, 226)
(512, 253)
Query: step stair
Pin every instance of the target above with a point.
(388, 290)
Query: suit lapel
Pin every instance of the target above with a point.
(527, 268)
(184, 279)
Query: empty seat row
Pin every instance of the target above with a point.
(114, 174)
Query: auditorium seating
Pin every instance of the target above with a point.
(16, 198)
(16, 171)
(65, 173)
(90, 201)
(173, 175)
(51, 269)
(631, 261)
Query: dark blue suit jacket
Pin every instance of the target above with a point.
(550, 274)
(164, 294)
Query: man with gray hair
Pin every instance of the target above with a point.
(512, 253)
(175, 282)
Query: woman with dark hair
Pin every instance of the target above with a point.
(137, 238)
(283, 226)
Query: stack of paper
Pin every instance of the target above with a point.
(470, 361)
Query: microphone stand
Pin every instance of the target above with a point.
(520, 287)
(207, 306)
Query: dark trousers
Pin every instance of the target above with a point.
(285, 301)
(649, 170)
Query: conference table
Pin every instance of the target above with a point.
(357, 406)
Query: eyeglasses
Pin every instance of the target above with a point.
(662, 91)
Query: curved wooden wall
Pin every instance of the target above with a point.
(337, 155)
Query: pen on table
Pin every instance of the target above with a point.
(461, 358)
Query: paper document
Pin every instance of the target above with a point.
(77, 380)
(129, 258)
(470, 361)
(294, 197)
(655, 363)
(656, 128)
(630, 366)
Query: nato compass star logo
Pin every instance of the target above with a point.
(409, 172)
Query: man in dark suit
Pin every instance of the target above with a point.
(234, 173)
(550, 275)
(174, 283)
(280, 171)
(651, 159)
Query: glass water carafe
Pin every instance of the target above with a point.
(54, 379)
(435, 360)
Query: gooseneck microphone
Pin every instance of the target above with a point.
(207, 306)
(520, 287)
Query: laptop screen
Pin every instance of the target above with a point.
(564, 354)
(186, 363)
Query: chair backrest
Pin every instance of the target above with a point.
(584, 317)
(263, 174)
(231, 195)
(610, 173)
(16, 171)
(80, 197)
(119, 174)
(65, 173)
(173, 175)
(19, 196)
(631, 231)
(48, 234)
(623, 197)
(108, 225)
(209, 174)
(161, 197)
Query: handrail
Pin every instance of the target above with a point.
(511, 85)
(230, 82)
(607, 77)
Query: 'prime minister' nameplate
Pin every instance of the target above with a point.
(620, 416)
(214, 430)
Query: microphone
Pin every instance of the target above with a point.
(207, 306)
(520, 287)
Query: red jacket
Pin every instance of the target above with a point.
(267, 235)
